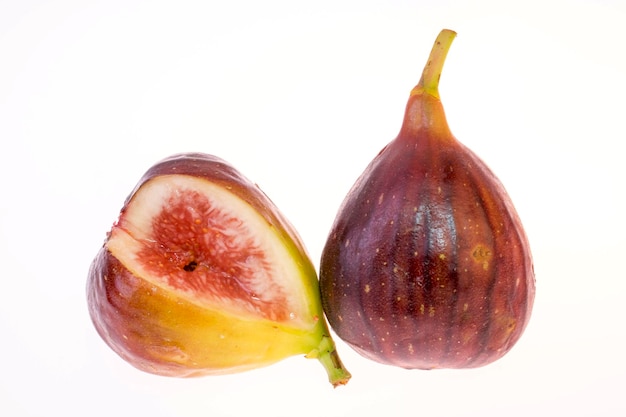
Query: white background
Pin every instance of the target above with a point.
(299, 96)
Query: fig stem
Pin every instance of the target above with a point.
(327, 354)
(429, 83)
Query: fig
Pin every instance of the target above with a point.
(202, 274)
(427, 264)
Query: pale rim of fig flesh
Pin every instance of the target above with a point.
(208, 246)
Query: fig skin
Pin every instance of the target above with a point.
(427, 264)
(166, 330)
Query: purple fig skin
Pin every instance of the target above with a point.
(427, 264)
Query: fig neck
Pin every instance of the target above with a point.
(424, 111)
(425, 115)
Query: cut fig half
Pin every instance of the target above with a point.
(201, 274)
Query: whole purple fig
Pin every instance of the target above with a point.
(427, 264)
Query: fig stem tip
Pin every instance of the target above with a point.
(429, 82)
(326, 353)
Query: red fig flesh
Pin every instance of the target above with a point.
(427, 264)
(202, 274)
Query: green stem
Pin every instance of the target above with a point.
(326, 353)
(429, 83)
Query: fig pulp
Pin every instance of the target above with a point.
(427, 264)
(201, 274)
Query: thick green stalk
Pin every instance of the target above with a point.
(326, 353)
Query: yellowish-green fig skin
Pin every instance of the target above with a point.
(162, 333)
(168, 319)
